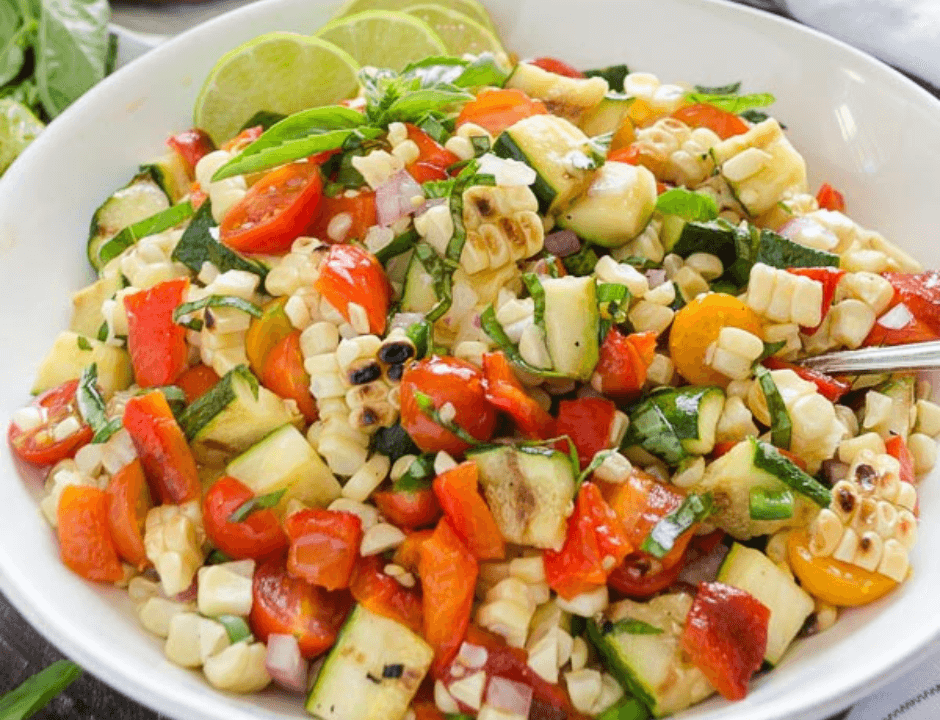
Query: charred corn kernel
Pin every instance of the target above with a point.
(156, 613)
(223, 592)
(584, 688)
(240, 668)
(579, 654)
(444, 700)
(894, 561)
(869, 551)
(173, 543)
(379, 538)
(923, 450)
(586, 604)
(367, 478)
(501, 224)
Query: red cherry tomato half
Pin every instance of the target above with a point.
(37, 445)
(259, 535)
(720, 122)
(276, 210)
(192, 146)
(351, 274)
(559, 67)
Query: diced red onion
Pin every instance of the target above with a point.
(807, 231)
(896, 318)
(285, 664)
(189, 594)
(473, 656)
(705, 568)
(393, 198)
(656, 277)
(562, 243)
(509, 696)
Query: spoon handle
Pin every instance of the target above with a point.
(919, 356)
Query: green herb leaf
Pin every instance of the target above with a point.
(36, 692)
(418, 476)
(393, 442)
(229, 301)
(756, 116)
(426, 405)
(595, 463)
(261, 502)
(534, 286)
(734, 103)
(435, 266)
(92, 407)
(264, 118)
(582, 262)
(687, 204)
(197, 246)
(767, 504)
(780, 425)
(495, 331)
(438, 188)
(433, 125)
(632, 626)
(14, 37)
(628, 708)
(103, 331)
(163, 220)
(650, 429)
(83, 343)
(484, 71)
(769, 350)
(421, 334)
(236, 628)
(217, 557)
(663, 535)
(614, 75)
(729, 89)
(398, 246)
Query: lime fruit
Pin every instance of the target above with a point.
(470, 8)
(383, 39)
(279, 72)
(460, 33)
(18, 128)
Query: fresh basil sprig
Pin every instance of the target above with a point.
(735, 104)
(36, 692)
(262, 502)
(229, 301)
(91, 405)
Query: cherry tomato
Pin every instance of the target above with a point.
(361, 212)
(84, 540)
(265, 332)
(641, 576)
(282, 604)
(559, 67)
(284, 375)
(720, 122)
(446, 380)
(384, 595)
(409, 508)
(830, 199)
(257, 536)
(128, 504)
(243, 139)
(505, 392)
(351, 274)
(496, 110)
(197, 381)
(725, 635)
(324, 545)
(157, 344)
(37, 446)
(192, 146)
(275, 211)
(588, 422)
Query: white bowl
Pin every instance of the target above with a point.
(860, 125)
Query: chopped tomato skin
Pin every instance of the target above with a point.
(829, 387)
(324, 545)
(282, 604)
(265, 332)
(504, 391)
(409, 509)
(351, 274)
(128, 503)
(275, 211)
(191, 145)
(721, 122)
(446, 380)
(830, 199)
(37, 446)
(259, 535)
(433, 156)
(897, 448)
(496, 110)
(285, 376)
(168, 462)
(588, 422)
(623, 363)
(157, 344)
(384, 595)
(829, 278)
(459, 496)
(641, 576)
(84, 540)
(559, 67)
(360, 209)
(726, 636)
(197, 381)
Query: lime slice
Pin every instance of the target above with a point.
(383, 39)
(18, 128)
(279, 72)
(460, 33)
(471, 8)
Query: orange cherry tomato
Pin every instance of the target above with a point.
(837, 583)
(276, 210)
(446, 380)
(559, 67)
(324, 545)
(720, 122)
(197, 381)
(286, 605)
(830, 199)
(84, 541)
(284, 375)
(156, 344)
(243, 139)
(265, 332)
(128, 504)
(361, 211)
(259, 535)
(36, 445)
(351, 274)
(469, 515)
(496, 110)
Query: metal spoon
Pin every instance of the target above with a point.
(919, 356)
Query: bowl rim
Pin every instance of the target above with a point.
(148, 691)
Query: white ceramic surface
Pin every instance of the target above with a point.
(861, 127)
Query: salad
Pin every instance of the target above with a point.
(477, 394)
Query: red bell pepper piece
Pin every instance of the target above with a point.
(469, 515)
(434, 158)
(408, 554)
(559, 67)
(259, 535)
(128, 503)
(350, 274)
(84, 541)
(623, 362)
(324, 546)
(629, 155)
(197, 381)
(916, 331)
(829, 277)
(504, 391)
(409, 509)
(830, 199)
(587, 421)
(384, 595)
(726, 636)
(168, 462)
(920, 292)
(157, 345)
(360, 208)
(595, 533)
(191, 145)
(829, 387)
(723, 123)
(897, 448)
(448, 574)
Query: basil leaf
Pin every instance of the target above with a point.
(418, 476)
(229, 301)
(399, 245)
(756, 116)
(83, 343)
(415, 104)
(91, 406)
(261, 502)
(614, 75)
(432, 125)
(197, 246)
(494, 330)
(729, 89)
(693, 206)
(264, 118)
(781, 426)
(484, 71)
(733, 103)
(436, 70)
(13, 38)
(235, 627)
(163, 220)
(663, 535)
(438, 188)
(71, 50)
(36, 692)
(582, 262)
(537, 292)
(426, 405)
(421, 334)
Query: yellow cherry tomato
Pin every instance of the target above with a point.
(266, 332)
(697, 325)
(832, 581)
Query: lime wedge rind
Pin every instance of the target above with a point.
(460, 32)
(383, 38)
